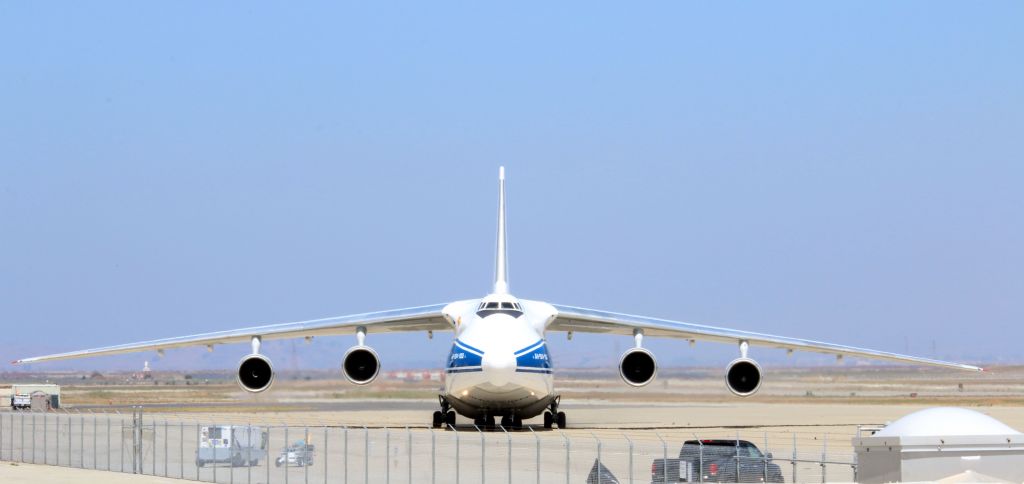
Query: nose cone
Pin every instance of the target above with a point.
(499, 367)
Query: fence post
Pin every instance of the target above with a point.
(284, 464)
(483, 454)
(630, 458)
(824, 451)
(21, 418)
(794, 458)
(214, 465)
(305, 467)
(737, 476)
(387, 456)
(700, 458)
(568, 456)
(70, 430)
(248, 454)
(181, 448)
(433, 458)
(664, 458)
(326, 454)
(267, 460)
(456, 452)
(366, 456)
(33, 436)
(45, 460)
(345, 469)
(408, 450)
(230, 456)
(509, 438)
(94, 432)
(537, 447)
(764, 455)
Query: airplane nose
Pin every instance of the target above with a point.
(499, 367)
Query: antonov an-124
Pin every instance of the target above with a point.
(499, 365)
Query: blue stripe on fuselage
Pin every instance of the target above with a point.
(534, 358)
(464, 356)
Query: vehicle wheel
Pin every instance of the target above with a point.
(561, 420)
(438, 419)
(548, 420)
(277, 463)
(450, 418)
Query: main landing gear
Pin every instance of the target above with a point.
(444, 417)
(553, 416)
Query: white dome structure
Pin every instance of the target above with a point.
(945, 422)
(939, 443)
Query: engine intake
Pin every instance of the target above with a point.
(743, 377)
(638, 367)
(255, 373)
(360, 365)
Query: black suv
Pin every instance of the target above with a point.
(717, 461)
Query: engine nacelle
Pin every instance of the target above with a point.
(638, 367)
(255, 373)
(360, 365)
(743, 377)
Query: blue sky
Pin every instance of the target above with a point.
(844, 171)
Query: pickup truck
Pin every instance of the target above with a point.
(717, 461)
(21, 401)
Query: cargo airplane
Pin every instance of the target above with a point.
(499, 365)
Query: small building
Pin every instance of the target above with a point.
(940, 443)
(50, 389)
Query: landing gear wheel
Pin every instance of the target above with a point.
(489, 423)
(561, 420)
(450, 418)
(517, 422)
(438, 420)
(548, 420)
(506, 421)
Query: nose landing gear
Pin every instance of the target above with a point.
(553, 416)
(445, 416)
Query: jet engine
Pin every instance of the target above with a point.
(743, 377)
(360, 365)
(255, 373)
(637, 367)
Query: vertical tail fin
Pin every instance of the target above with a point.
(501, 263)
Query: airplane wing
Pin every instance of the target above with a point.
(422, 318)
(583, 320)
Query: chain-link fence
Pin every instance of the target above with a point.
(230, 451)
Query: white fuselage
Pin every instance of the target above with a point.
(499, 362)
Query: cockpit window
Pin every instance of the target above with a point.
(507, 307)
